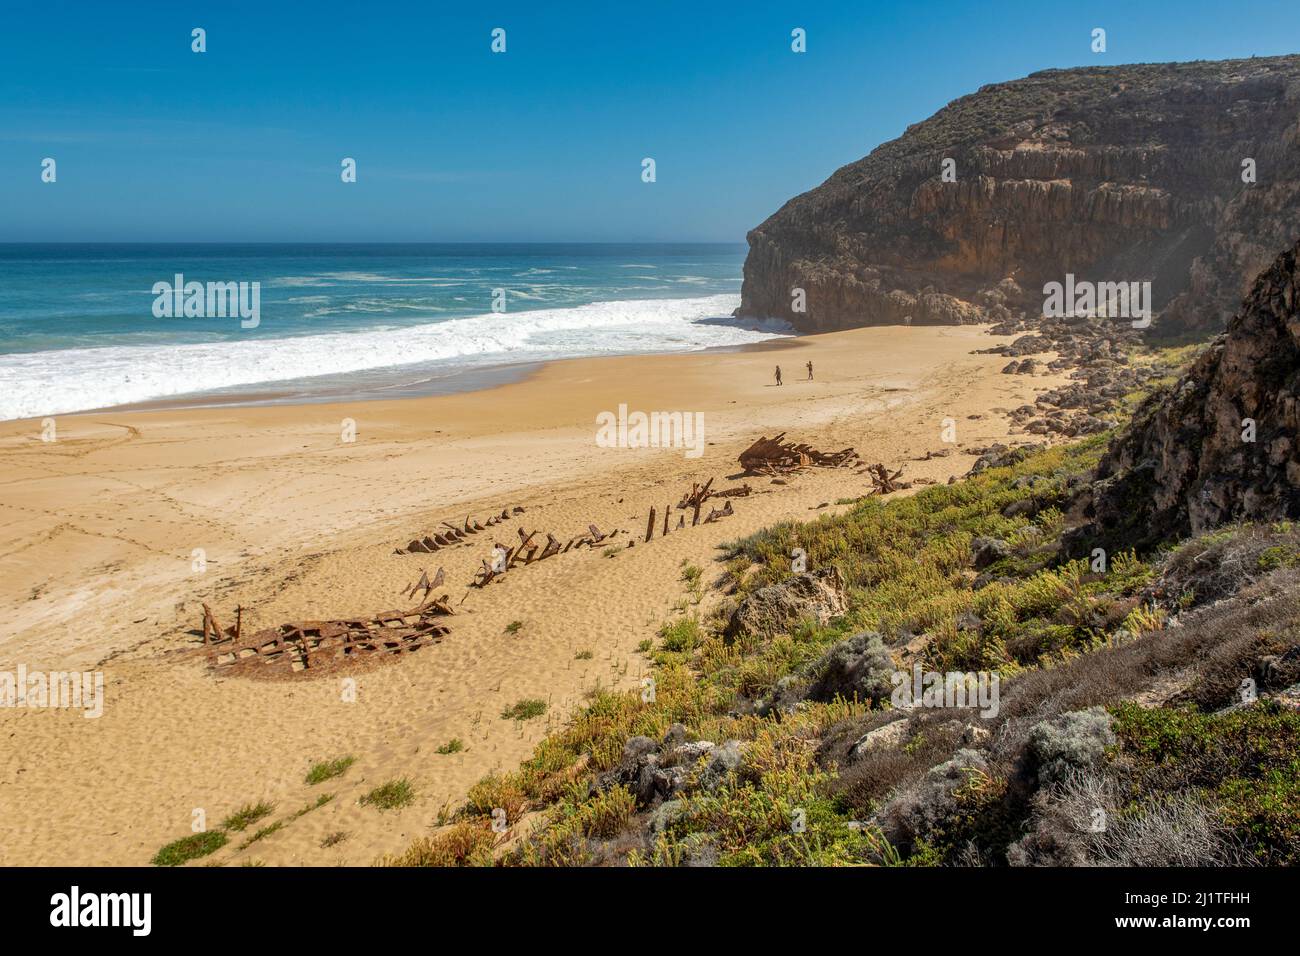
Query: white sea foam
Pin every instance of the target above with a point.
(36, 384)
(337, 278)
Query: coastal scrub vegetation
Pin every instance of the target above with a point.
(247, 815)
(329, 769)
(190, 848)
(262, 833)
(202, 844)
(525, 709)
(1076, 646)
(392, 795)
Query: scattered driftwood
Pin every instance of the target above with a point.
(697, 495)
(701, 493)
(717, 513)
(595, 537)
(213, 632)
(650, 523)
(322, 646)
(774, 456)
(425, 585)
(740, 491)
(526, 552)
(526, 548)
(450, 534)
(883, 481)
(553, 547)
(695, 498)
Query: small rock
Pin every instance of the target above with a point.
(890, 735)
(675, 736)
(689, 753)
(638, 747)
(986, 551)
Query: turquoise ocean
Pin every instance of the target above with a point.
(78, 328)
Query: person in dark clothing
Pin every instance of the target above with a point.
(778, 375)
(810, 371)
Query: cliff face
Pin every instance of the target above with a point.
(1130, 173)
(1191, 459)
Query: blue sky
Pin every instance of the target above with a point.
(542, 143)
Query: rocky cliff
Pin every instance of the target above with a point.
(1223, 443)
(1128, 173)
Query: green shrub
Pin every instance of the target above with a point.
(328, 769)
(190, 848)
(247, 815)
(1245, 759)
(262, 833)
(525, 709)
(461, 844)
(681, 635)
(392, 795)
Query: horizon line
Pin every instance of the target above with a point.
(373, 242)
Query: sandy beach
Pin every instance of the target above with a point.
(98, 531)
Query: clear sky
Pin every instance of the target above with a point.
(542, 143)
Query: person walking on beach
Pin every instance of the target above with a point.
(778, 375)
(810, 371)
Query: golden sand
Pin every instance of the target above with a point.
(99, 530)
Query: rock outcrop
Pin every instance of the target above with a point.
(816, 595)
(656, 772)
(1127, 173)
(1222, 444)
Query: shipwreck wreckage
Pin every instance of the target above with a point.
(309, 648)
